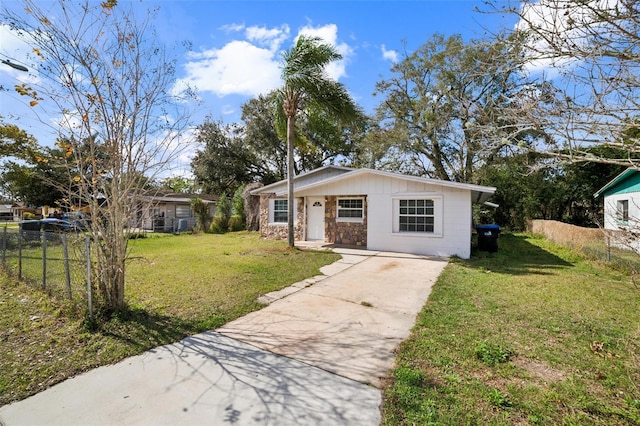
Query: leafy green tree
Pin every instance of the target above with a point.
(224, 163)
(532, 186)
(307, 87)
(178, 184)
(31, 183)
(261, 138)
(15, 142)
(325, 139)
(443, 101)
(237, 154)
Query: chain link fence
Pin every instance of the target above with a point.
(58, 263)
(603, 245)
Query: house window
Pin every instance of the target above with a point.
(280, 211)
(183, 210)
(623, 210)
(350, 209)
(416, 216)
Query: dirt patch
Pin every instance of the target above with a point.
(539, 370)
(389, 265)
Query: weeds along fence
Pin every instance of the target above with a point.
(594, 243)
(59, 263)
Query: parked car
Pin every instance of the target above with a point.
(31, 228)
(79, 220)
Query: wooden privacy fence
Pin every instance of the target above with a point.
(58, 263)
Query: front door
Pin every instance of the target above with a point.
(315, 221)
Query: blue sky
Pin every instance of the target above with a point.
(237, 46)
(240, 42)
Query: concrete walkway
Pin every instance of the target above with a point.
(337, 335)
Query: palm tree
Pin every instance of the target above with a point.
(307, 85)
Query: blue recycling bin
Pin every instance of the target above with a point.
(488, 237)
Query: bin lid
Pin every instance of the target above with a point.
(492, 226)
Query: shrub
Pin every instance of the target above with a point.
(201, 211)
(28, 216)
(219, 225)
(236, 223)
(220, 222)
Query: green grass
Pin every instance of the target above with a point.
(176, 286)
(533, 334)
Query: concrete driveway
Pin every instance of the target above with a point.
(350, 323)
(313, 357)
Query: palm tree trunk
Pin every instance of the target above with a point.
(290, 176)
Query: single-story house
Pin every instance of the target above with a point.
(374, 209)
(168, 212)
(622, 201)
(19, 210)
(6, 210)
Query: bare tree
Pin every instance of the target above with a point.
(586, 55)
(110, 82)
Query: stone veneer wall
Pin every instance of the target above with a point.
(279, 232)
(347, 233)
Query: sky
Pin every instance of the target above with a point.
(236, 47)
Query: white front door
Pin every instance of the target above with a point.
(315, 221)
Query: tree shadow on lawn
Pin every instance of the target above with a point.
(144, 329)
(517, 256)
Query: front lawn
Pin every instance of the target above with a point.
(176, 286)
(533, 334)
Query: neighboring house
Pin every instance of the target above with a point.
(622, 201)
(6, 210)
(376, 210)
(20, 209)
(168, 212)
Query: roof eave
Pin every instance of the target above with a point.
(266, 188)
(487, 190)
(615, 181)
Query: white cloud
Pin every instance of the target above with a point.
(68, 121)
(251, 66)
(272, 37)
(228, 109)
(329, 34)
(389, 55)
(184, 148)
(239, 68)
(230, 28)
(11, 43)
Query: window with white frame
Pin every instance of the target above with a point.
(622, 210)
(416, 215)
(280, 211)
(350, 209)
